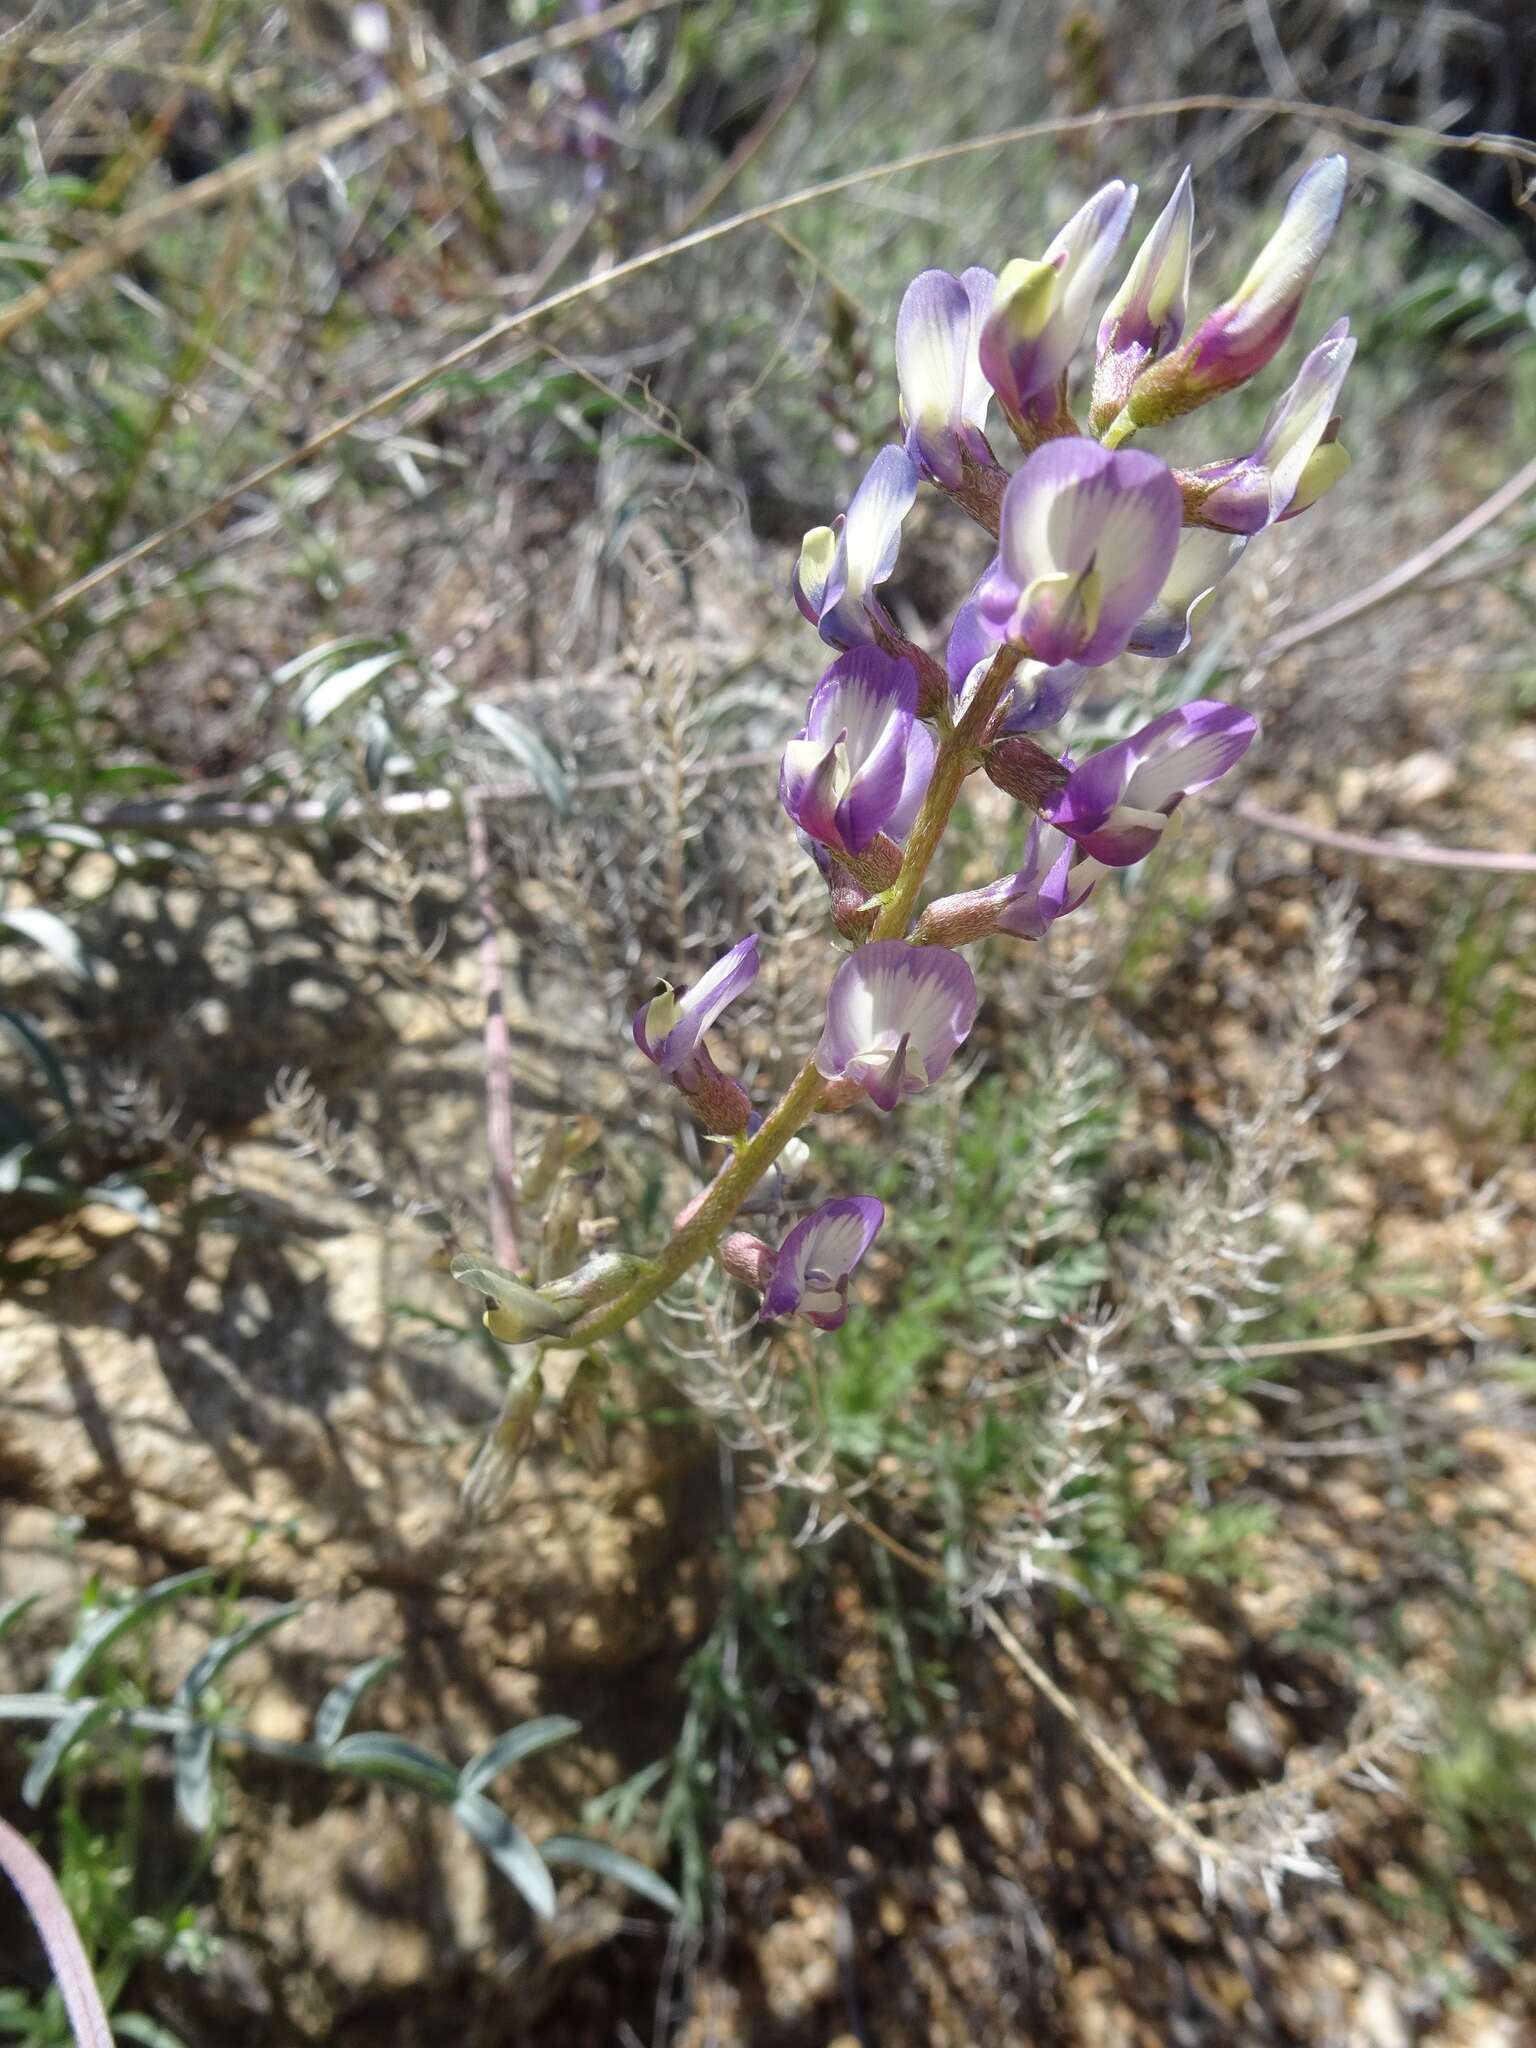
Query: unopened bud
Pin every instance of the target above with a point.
(596, 1280)
(1025, 771)
(747, 1259)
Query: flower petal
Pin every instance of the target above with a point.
(1200, 561)
(828, 1243)
(867, 546)
(684, 1019)
(1086, 541)
(887, 992)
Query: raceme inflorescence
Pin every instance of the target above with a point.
(1102, 549)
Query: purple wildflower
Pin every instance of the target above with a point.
(944, 396)
(1025, 904)
(841, 566)
(668, 1028)
(1294, 460)
(1116, 804)
(861, 762)
(813, 1264)
(895, 1016)
(1041, 309)
(1087, 540)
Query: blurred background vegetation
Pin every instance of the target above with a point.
(361, 483)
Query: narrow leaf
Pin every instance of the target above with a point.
(105, 1626)
(513, 1747)
(392, 1757)
(23, 1029)
(510, 1850)
(193, 1754)
(138, 2026)
(320, 701)
(28, 921)
(335, 1710)
(225, 1650)
(579, 1852)
(12, 1610)
(528, 750)
(61, 1738)
(312, 657)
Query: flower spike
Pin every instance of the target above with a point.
(811, 1270)
(896, 1014)
(1250, 328)
(1087, 540)
(860, 764)
(1117, 804)
(1041, 312)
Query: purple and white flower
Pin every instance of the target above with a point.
(860, 764)
(1146, 316)
(1026, 904)
(896, 1015)
(1294, 461)
(669, 1028)
(1041, 309)
(813, 1264)
(842, 566)
(1086, 543)
(1116, 804)
(1045, 887)
(1248, 329)
(1200, 561)
(944, 396)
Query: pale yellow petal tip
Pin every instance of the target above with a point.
(1026, 297)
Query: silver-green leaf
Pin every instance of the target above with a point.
(514, 1746)
(510, 1850)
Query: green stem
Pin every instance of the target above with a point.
(708, 1222)
(957, 756)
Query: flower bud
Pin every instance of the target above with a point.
(747, 1259)
(601, 1278)
(1024, 770)
(1040, 312)
(1146, 316)
(1250, 328)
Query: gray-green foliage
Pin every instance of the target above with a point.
(100, 1722)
